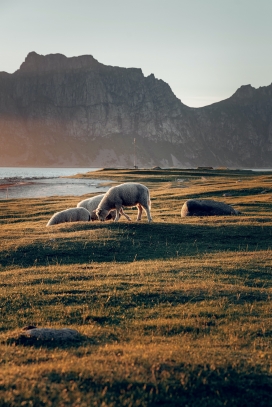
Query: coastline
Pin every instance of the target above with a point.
(15, 184)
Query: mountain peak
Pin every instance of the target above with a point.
(244, 91)
(57, 62)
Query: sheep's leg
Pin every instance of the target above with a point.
(140, 211)
(148, 214)
(117, 216)
(125, 215)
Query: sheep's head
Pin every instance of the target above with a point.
(101, 214)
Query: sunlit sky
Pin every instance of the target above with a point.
(204, 49)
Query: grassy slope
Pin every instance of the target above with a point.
(177, 312)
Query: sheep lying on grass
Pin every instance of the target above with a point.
(206, 207)
(127, 194)
(91, 205)
(70, 215)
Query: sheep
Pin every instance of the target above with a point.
(92, 203)
(70, 215)
(206, 207)
(127, 194)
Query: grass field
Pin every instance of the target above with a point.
(172, 313)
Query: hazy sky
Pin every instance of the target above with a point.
(204, 49)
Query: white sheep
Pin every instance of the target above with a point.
(127, 194)
(91, 205)
(70, 215)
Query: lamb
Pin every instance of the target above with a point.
(127, 194)
(92, 203)
(70, 215)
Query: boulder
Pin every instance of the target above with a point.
(206, 207)
(48, 334)
(35, 336)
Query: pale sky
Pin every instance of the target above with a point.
(204, 49)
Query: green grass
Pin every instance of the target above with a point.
(173, 313)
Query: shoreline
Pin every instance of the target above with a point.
(16, 184)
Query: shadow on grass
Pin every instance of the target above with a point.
(194, 386)
(165, 384)
(233, 192)
(133, 241)
(169, 331)
(108, 309)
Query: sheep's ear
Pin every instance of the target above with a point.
(94, 210)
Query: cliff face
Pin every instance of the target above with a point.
(77, 112)
(240, 128)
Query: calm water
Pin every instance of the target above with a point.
(10, 172)
(261, 169)
(42, 182)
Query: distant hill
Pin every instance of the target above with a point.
(76, 111)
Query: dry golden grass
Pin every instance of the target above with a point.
(177, 312)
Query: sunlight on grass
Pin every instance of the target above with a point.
(177, 312)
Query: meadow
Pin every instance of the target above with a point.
(172, 313)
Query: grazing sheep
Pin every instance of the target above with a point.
(91, 205)
(70, 215)
(206, 207)
(127, 194)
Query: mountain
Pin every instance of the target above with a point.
(59, 111)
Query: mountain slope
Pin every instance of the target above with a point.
(76, 111)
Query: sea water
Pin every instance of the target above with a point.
(19, 182)
(31, 172)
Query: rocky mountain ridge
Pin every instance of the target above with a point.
(76, 111)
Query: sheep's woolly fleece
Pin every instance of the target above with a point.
(70, 215)
(127, 194)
